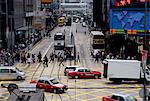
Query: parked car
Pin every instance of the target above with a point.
(69, 68)
(84, 73)
(50, 85)
(119, 97)
(11, 73)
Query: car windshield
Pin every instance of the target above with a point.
(18, 70)
(131, 98)
(71, 69)
(54, 81)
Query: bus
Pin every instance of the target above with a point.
(97, 42)
(59, 43)
(61, 21)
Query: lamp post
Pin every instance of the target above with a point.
(145, 47)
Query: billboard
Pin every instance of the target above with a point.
(129, 19)
(46, 1)
(117, 3)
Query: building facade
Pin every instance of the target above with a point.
(2, 24)
(130, 20)
(100, 13)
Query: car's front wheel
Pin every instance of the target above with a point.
(19, 78)
(96, 76)
(76, 77)
(55, 91)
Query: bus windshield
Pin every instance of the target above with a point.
(59, 37)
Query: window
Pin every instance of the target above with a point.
(4, 71)
(12, 71)
(41, 81)
(46, 82)
(87, 70)
(54, 81)
(81, 70)
(117, 98)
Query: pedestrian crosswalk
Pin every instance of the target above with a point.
(73, 62)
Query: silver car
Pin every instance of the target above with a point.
(11, 73)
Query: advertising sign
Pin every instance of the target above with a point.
(129, 19)
(46, 1)
(127, 2)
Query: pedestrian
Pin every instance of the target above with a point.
(39, 57)
(24, 58)
(33, 58)
(78, 57)
(96, 57)
(51, 57)
(17, 57)
(45, 61)
(85, 32)
(28, 58)
(58, 56)
(61, 61)
(92, 54)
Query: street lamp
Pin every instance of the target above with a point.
(145, 46)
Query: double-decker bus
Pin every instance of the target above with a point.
(97, 41)
(59, 43)
(61, 21)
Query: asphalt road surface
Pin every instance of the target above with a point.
(79, 89)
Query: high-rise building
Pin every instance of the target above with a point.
(100, 16)
(2, 24)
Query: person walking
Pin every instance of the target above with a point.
(96, 58)
(28, 58)
(39, 57)
(24, 58)
(61, 61)
(51, 57)
(78, 57)
(45, 61)
(33, 58)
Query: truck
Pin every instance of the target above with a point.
(119, 97)
(118, 70)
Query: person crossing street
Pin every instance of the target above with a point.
(45, 61)
(61, 61)
(39, 57)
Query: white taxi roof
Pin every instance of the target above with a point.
(72, 66)
(45, 78)
(59, 33)
(81, 68)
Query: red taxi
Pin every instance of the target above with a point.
(84, 73)
(50, 84)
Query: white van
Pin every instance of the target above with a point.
(11, 73)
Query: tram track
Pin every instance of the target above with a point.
(38, 66)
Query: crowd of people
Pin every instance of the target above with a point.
(9, 59)
(100, 56)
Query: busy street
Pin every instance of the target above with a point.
(74, 50)
(78, 89)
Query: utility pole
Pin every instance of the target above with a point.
(146, 48)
